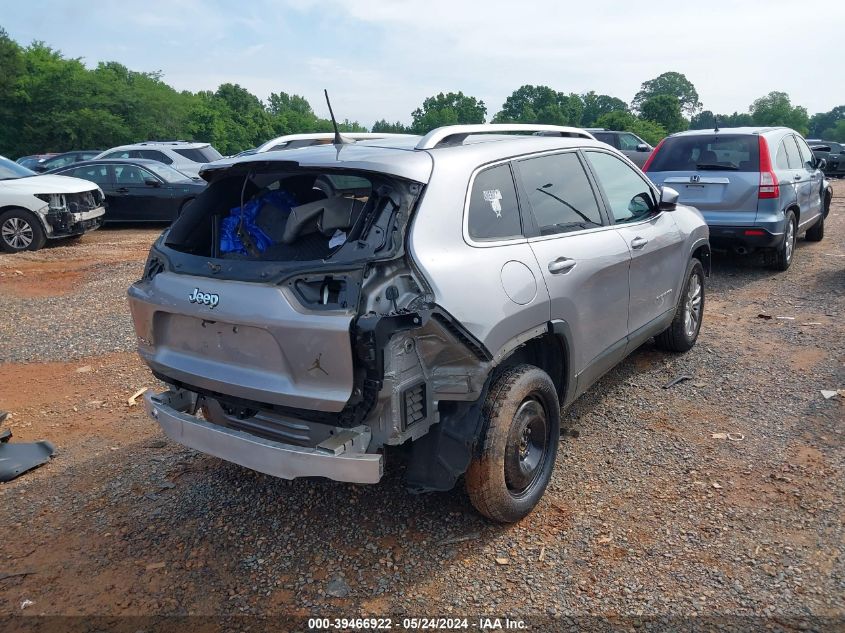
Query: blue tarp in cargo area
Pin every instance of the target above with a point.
(229, 240)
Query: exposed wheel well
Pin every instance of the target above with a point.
(548, 352)
(702, 254)
(797, 211)
(35, 216)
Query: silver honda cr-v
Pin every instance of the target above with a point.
(316, 310)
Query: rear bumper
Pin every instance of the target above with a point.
(748, 236)
(346, 462)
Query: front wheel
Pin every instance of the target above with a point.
(20, 231)
(509, 475)
(682, 334)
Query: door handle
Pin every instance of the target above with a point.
(561, 265)
(797, 176)
(638, 242)
(122, 190)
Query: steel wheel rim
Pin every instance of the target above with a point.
(17, 233)
(527, 449)
(790, 240)
(692, 312)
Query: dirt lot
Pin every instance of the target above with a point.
(647, 513)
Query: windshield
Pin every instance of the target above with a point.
(205, 154)
(729, 152)
(165, 172)
(10, 170)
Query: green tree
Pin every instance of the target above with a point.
(670, 83)
(12, 69)
(541, 104)
(447, 109)
(707, 120)
(776, 109)
(391, 128)
(291, 114)
(649, 131)
(598, 105)
(665, 110)
(835, 133)
(819, 122)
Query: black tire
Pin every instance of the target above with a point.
(20, 231)
(509, 475)
(682, 334)
(816, 233)
(785, 253)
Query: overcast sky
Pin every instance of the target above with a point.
(381, 58)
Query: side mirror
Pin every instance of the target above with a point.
(668, 199)
(151, 182)
(821, 163)
(643, 147)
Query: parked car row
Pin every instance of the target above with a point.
(35, 208)
(758, 188)
(138, 190)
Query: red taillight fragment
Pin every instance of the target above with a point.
(769, 187)
(754, 232)
(653, 154)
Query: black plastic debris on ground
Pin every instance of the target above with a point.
(16, 459)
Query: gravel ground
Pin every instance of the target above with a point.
(647, 514)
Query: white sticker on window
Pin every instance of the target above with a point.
(493, 196)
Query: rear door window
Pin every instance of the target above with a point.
(153, 154)
(131, 175)
(809, 161)
(628, 142)
(719, 152)
(629, 197)
(793, 158)
(205, 154)
(605, 137)
(95, 173)
(781, 160)
(493, 207)
(559, 193)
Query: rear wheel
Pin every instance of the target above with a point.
(683, 333)
(784, 253)
(518, 446)
(816, 234)
(20, 231)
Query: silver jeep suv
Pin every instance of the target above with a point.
(443, 301)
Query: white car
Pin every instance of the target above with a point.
(293, 141)
(36, 208)
(184, 156)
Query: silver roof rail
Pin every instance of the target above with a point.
(456, 134)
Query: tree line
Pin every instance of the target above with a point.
(49, 102)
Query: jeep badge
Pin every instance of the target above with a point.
(205, 298)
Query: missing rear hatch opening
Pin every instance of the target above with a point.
(296, 216)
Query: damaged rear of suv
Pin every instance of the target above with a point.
(312, 309)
